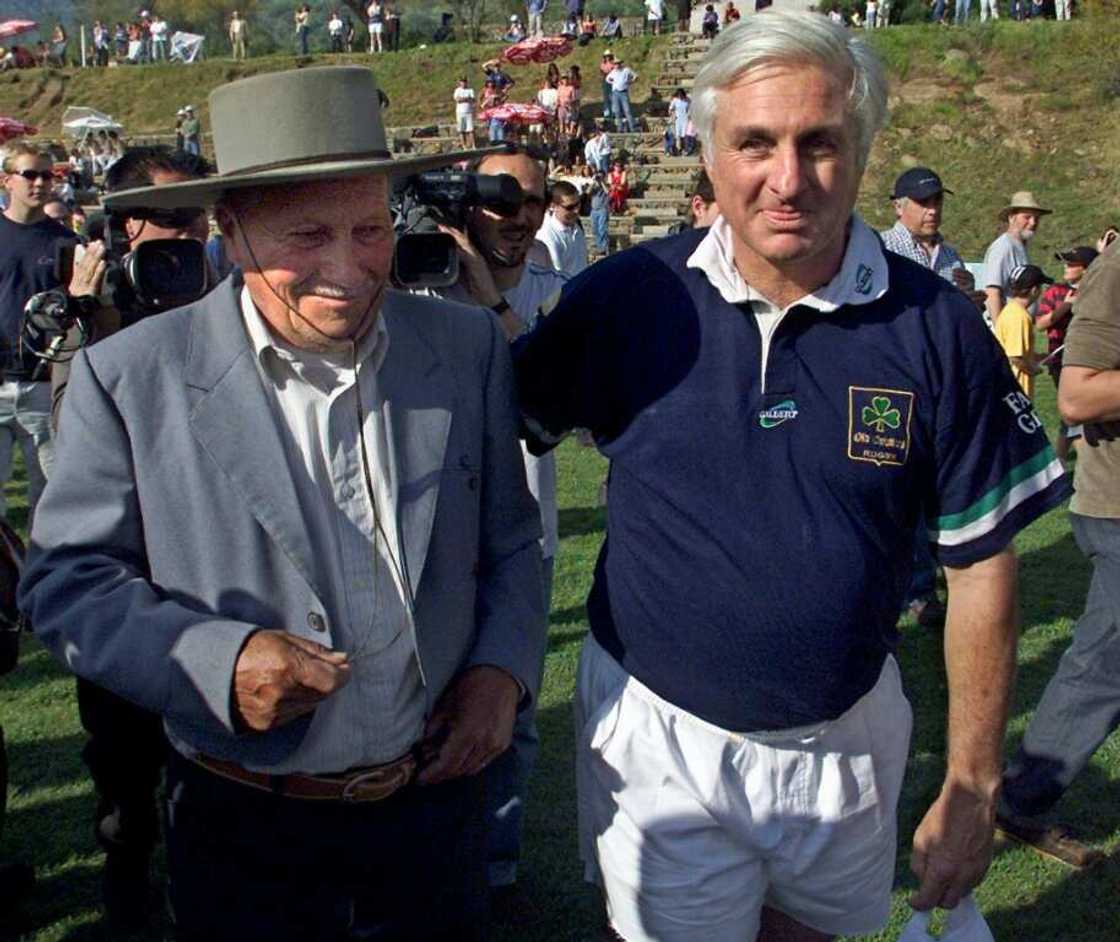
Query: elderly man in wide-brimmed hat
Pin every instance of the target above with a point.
(1008, 252)
(293, 519)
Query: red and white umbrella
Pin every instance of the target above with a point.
(10, 129)
(10, 28)
(538, 50)
(518, 113)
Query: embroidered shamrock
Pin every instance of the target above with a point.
(880, 416)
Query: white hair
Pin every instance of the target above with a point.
(783, 37)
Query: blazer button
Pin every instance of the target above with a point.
(316, 622)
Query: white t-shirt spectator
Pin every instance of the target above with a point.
(548, 98)
(464, 102)
(334, 26)
(655, 9)
(620, 79)
(567, 245)
(597, 148)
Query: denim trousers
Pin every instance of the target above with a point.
(25, 417)
(1081, 704)
(507, 783)
(600, 226)
(961, 14)
(620, 105)
(607, 93)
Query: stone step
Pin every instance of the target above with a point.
(667, 180)
(645, 205)
(649, 232)
(657, 155)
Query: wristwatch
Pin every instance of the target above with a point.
(501, 307)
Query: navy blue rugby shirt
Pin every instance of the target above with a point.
(760, 523)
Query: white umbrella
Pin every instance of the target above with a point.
(78, 122)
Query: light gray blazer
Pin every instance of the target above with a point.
(170, 528)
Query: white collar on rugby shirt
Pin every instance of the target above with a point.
(862, 277)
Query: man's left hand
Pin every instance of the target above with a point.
(472, 724)
(953, 845)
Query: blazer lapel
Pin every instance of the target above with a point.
(418, 394)
(233, 421)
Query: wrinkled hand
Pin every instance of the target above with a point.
(952, 846)
(279, 677)
(89, 272)
(472, 725)
(473, 270)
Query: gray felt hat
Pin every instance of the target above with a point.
(284, 128)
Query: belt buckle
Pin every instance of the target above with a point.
(349, 790)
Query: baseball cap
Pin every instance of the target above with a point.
(918, 183)
(1083, 255)
(1025, 277)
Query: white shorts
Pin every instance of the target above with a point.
(679, 821)
(465, 123)
(375, 28)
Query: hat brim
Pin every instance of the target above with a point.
(1008, 210)
(922, 194)
(205, 192)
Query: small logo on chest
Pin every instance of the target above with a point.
(777, 414)
(879, 424)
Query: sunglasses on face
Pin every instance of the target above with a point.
(168, 218)
(32, 175)
(570, 207)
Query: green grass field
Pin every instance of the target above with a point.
(1024, 896)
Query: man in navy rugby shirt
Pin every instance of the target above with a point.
(780, 400)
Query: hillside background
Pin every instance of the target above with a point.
(992, 109)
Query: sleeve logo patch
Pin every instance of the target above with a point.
(879, 424)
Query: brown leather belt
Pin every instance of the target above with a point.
(372, 784)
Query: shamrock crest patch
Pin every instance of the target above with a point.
(879, 424)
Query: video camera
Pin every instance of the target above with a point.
(157, 275)
(426, 257)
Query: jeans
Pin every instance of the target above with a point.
(938, 13)
(600, 227)
(191, 146)
(620, 105)
(961, 14)
(1081, 704)
(607, 92)
(245, 864)
(536, 27)
(159, 50)
(301, 35)
(507, 781)
(497, 131)
(25, 417)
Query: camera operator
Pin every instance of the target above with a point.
(28, 238)
(127, 748)
(496, 272)
(139, 166)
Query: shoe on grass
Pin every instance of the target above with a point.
(1055, 841)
